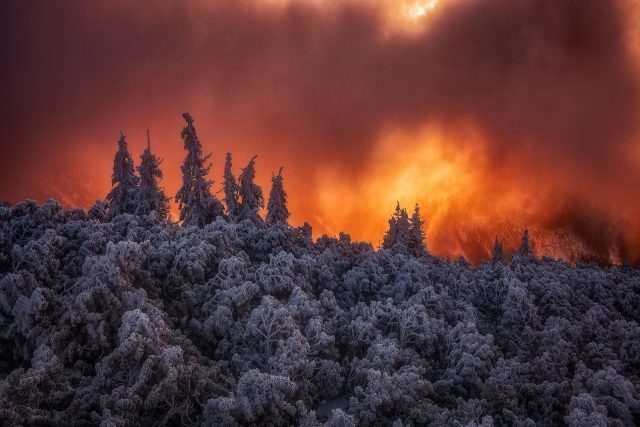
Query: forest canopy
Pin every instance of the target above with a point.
(119, 316)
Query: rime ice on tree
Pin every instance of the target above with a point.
(122, 198)
(196, 203)
(150, 196)
(251, 194)
(399, 229)
(406, 234)
(231, 190)
(416, 233)
(277, 211)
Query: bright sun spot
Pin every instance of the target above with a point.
(419, 9)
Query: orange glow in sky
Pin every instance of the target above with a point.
(492, 115)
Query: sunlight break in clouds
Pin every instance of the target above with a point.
(426, 170)
(317, 86)
(421, 8)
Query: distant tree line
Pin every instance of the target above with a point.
(406, 234)
(141, 194)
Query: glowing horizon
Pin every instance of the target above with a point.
(490, 114)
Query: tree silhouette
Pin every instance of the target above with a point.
(525, 248)
(231, 190)
(398, 233)
(277, 211)
(416, 233)
(122, 198)
(196, 203)
(150, 196)
(251, 194)
(498, 253)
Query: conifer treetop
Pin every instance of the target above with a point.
(231, 189)
(150, 195)
(416, 233)
(525, 248)
(121, 199)
(196, 203)
(277, 211)
(498, 252)
(251, 195)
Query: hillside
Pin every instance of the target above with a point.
(135, 321)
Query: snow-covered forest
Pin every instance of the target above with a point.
(118, 316)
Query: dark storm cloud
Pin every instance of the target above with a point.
(551, 85)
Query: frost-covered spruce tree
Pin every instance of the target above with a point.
(230, 190)
(416, 233)
(277, 211)
(150, 196)
(399, 230)
(196, 203)
(525, 248)
(498, 254)
(250, 193)
(122, 198)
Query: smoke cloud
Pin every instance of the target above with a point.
(492, 114)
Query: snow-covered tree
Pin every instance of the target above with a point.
(250, 193)
(150, 196)
(38, 395)
(277, 211)
(196, 203)
(399, 232)
(231, 190)
(268, 326)
(122, 198)
(260, 397)
(416, 242)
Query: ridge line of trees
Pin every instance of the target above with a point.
(141, 194)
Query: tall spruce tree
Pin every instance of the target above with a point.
(416, 242)
(251, 194)
(498, 252)
(150, 196)
(398, 234)
(196, 203)
(231, 190)
(277, 211)
(525, 248)
(122, 197)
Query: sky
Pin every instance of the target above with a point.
(493, 115)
